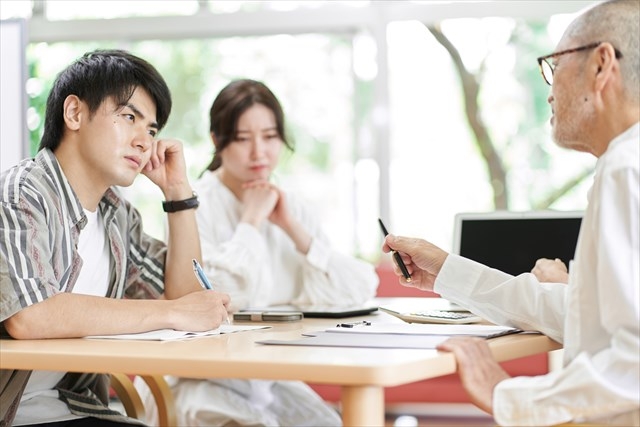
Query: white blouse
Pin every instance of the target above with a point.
(260, 267)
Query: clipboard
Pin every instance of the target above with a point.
(417, 336)
(330, 339)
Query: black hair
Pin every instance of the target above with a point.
(233, 100)
(97, 76)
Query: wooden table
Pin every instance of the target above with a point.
(363, 373)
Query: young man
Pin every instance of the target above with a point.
(595, 100)
(74, 258)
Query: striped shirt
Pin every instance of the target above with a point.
(40, 222)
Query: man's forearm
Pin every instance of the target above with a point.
(81, 315)
(183, 245)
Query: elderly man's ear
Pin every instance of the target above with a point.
(605, 64)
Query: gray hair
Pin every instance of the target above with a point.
(616, 22)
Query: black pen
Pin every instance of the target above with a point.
(351, 325)
(396, 255)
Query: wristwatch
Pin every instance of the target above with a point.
(180, 205)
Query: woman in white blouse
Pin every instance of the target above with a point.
(263, 246)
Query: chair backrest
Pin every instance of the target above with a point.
(133, 406)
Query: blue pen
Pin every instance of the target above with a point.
(202, 278)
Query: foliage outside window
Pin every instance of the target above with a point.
(435, 166)
(315, 90)
(437, 169)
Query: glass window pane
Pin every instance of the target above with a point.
(436, 166)
(60, 10)
(230, 6)
(15, 9)
(310, 74)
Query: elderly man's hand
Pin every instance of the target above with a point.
(478, 370)
(551, 270)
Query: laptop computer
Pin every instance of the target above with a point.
(508, 241)
(513, 241)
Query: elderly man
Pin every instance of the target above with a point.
(595, 91)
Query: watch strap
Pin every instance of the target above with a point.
(181, 205)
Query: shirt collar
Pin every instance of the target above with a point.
(48, 161)
(632, 133)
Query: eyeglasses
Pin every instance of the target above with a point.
(546, 68)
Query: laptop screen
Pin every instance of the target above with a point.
(513, 241)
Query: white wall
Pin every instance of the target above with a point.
(13, 102)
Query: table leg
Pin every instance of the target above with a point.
(362, 406)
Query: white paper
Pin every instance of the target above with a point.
(426, 329)
(172, 334)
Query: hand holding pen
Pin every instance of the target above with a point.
(396, 256)
(204, 281)
(423, 258)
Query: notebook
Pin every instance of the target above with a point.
(513, 241)
(172, 334)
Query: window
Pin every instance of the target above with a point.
(372, 99)
(435, 167)
(309, 73)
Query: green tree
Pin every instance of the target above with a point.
(526, 39)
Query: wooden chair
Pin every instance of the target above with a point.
(133, 406)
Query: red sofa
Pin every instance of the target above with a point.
(447, 389)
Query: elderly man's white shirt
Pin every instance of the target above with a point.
(596, 316)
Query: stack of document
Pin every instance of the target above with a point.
(393, 335)
(172, 334)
